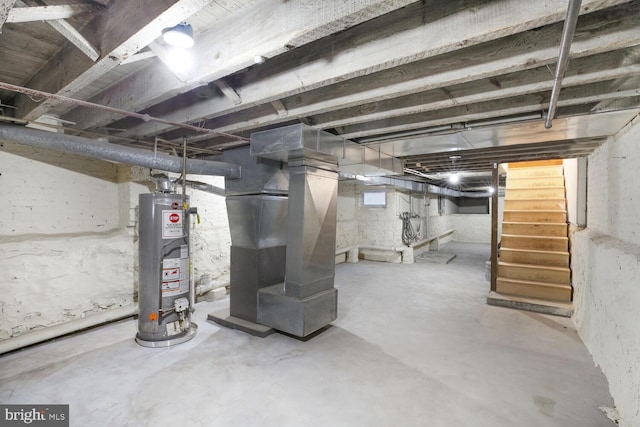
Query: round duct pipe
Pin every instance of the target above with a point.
(113, 152)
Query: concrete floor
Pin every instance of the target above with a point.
(414, 345)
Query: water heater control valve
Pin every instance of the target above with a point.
(181, 304)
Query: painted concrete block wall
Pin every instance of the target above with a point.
(439, 223)
(64, 253)
(68, 238)
(376, 225)
(346, 220)
(606, 267)
(211, 239)
(415, 204)
(56, 193)
(471, 228)
(383, 226)
(359, 225)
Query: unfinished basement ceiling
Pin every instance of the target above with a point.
(418, 79)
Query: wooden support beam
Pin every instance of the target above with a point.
(139, 57)
(280, 108)
(469, 93)
(74, 36)
(118, 33)
(228, 91)
(276, 27)
(495, 183)
(521, 52)
(47, 13)
(574, 96)
(491, 152)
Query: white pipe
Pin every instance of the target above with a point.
(69, 327)
(570, 22)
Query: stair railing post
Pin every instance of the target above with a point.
(494, 226)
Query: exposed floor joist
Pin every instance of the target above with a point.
(288, 26)
(118, 33)
(466, 65)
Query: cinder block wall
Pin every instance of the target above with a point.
(469, 228)
(606, 268)
(347, 220)
(67, 237)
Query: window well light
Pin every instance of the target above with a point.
(454, 178)
(179, 36)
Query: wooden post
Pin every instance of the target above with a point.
(494, 226)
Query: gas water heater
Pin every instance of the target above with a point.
(166, 295)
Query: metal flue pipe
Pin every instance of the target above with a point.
(568, 31)
(113, 152)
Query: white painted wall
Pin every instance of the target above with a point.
(64, 253)
(606, 267)
(571, 188)
(68, 237)
(575, 179)
(211, 239)
(359, 225)
(439, 223)
(471, 228)
(346, 220)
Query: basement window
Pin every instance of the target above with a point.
(374, 198)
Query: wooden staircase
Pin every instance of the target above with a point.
(534, 249)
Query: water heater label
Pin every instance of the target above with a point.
(175, 277)
(172, 224)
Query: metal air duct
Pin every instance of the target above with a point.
(283, 248)
(113, 152)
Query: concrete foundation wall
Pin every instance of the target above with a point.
(606, 267)
(382, 226)
(471, 228)
(211, 239)
(347, 221)
(439, 221)
(68, 237)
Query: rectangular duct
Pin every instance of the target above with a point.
(306, 301)
(302, 140)
(282, 216)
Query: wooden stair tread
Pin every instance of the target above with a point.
(533, 266)
(515, 178)
(537, 211)
(546, 187)
(534, 223)
(535, 251)
(537, 199)
(535, 237)
(533, 167)
(535, 283)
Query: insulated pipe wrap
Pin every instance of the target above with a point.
(113, 152)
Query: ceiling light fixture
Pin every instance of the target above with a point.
(454, 178)
(179, 36)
